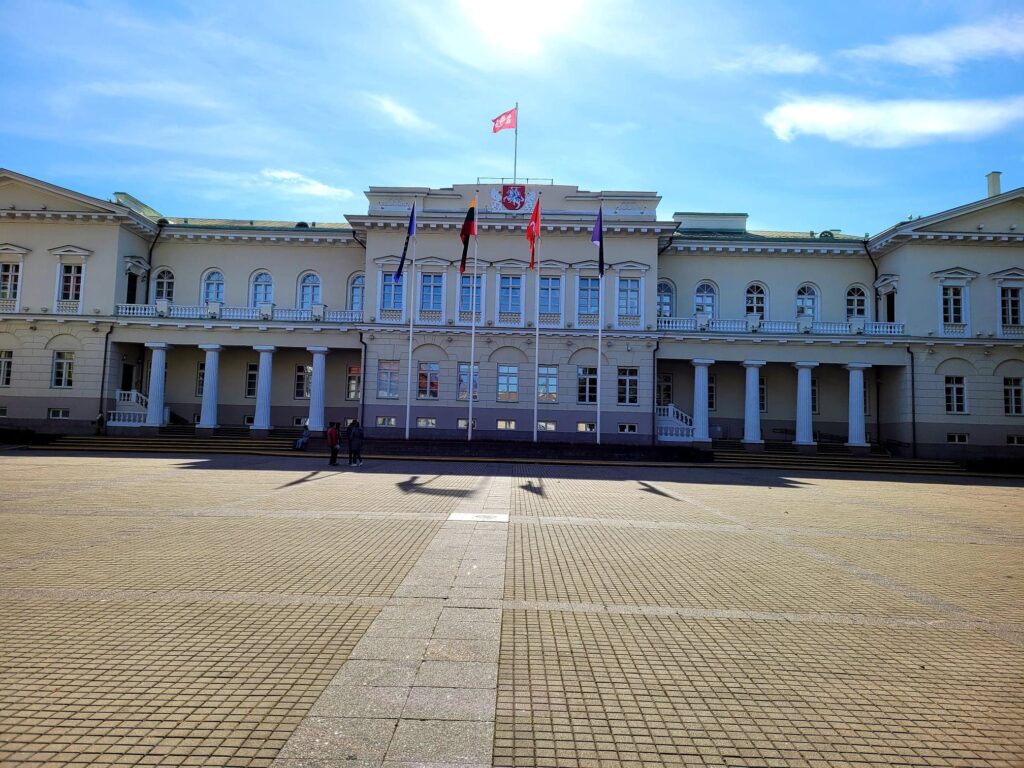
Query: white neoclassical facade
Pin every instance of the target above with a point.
(912, 339)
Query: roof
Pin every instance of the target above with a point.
(764, 235)
(256, 224)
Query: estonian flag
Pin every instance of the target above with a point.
(405, 248)
(597, 238)
(468, 231)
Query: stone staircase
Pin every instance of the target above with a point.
(830, 457)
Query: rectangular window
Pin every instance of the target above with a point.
(426, 422)
(586, 426)
(1010, 439)
(547, 383)
(589, 296)
(303, 377)
(58, 413)
(3, 411)
(464, 423)
(545, 426)
(300, 421)
(867, 401)
(469, 299)
(956, 437)
(200, 377)
(586, 384)
(551, 295)
(510, 294)
(762, 394)
(664, 389)
(629, 386)
(387, 379)
(9, 280)
(508, 383)
(391, 292)
(428, 382)
(956, 394)
(6, 362)
(1013, 396)
(627, 429)
(506, 424)
(386, 421)
(354, 383)
(464, 383)
(629, 296)
(712, 394)
(1009, 301)
(952, 304)
(252, 375)
(63, 369)
(814, 395)
(248, 420)
(71, 282)
(431, 293)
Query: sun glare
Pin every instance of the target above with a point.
(524, 26)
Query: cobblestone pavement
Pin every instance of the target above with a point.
(246, 611)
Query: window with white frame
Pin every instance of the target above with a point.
(309, 290)
(200, 377)
(666, 299)
(431, 292)
(546, 426)
(547, 383)
(762, 394)
(663, 389)
(3, 411)
(586, 426)
(629, 386)
(426, 422)
(163, 286)
(807, 301)
(356, 293)
(588, 296)
(387, 421)
(704, 299)
(629, 296)
(956, 394)
(814, 394)
(551, 295)
(506, 424)
(354, 383)
(58, 413)
(71, 282)
(712, 393)
(586, 384)
(470, 291)
(387, 379)
(510, 294)
(755, 300)
(957, 437)
(6, 363)
(856, 302)
(10, 281)
(63, 370)
(508, 383)
(1009, 305)
(262, 289)
(465, 383)
(303, 377)
(252, 378)
(428, 381)
(390, 292)
(1013, 396)
(627, 429)
(213, 287)
(953, 304)
(1010, 439)
(464, 423)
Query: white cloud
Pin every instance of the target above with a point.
(171, 92)
(292, 183)
(401, 115)
(943, 51)
(282, 183)
(887, 124)
(778, 59)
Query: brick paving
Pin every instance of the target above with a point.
(247, 611)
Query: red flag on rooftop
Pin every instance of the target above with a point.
(504, 120)
(533, 231)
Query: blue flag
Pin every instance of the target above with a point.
(405, 248)
(597, 238)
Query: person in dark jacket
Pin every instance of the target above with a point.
(334, 443)
(355, 444)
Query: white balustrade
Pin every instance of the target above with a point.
(343, 316)
(587, 320)
(68, 307)
(550, 320)
(830, 328)
(130, 418)
(670, 411)
(510, 318)
(883, 329)
(240, 313)
(677, 324)
(779, 326)
(954, 329)
(728, 326)
(628, 321)
(8, 305)
(429, 317)
(391, 316)
(136, 310)
(675, 434)
(1013, 330)
(131, 397)
(186, 312)
(292, 315)
(466, 317)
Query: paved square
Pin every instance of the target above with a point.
(257, 611)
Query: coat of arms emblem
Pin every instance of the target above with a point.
(513, 196)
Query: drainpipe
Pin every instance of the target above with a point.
(103, 372)
(654, 415)
(913, 406)
(874, 266)
(362, 383)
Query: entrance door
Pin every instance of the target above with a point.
(127, 376)
(133, 288)
(890, 307)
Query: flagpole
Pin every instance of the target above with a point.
(600, 327)
(472, 330)
(515, 151)
(412, 310)
(536, 344)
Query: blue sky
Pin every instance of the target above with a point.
(806, 115)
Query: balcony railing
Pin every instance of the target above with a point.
(510, 318)
(628, 321)
(550, 319)
(728, 326)
(68, 307)
(120, 418)
(430, 317)
(817, 327)
(1013, 330)
(954, 329)
(293, 315)
(587, 320)
(778, 326)
(883, 329)
(343, 316)
(8, 305)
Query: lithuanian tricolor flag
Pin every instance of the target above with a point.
(468, 231)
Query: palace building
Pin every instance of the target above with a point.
(912, 339)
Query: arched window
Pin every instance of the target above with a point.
(262, 289)
(666, 299)
(856, 302)
(704, 299)
(163, 286)
(213, 287)
(356, 292)
(807, 301)
(309, 290)
(755, 300)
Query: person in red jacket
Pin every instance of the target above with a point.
(334, 443)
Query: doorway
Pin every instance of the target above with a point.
(127, 377)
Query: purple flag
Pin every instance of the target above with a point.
(410, 233)
(597, 238)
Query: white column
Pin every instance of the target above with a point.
(752, 402)
(700, 399)
(315, 422)
(211, 381)
(157, 367)
(804, 423)
(855, 434)
(262, 417)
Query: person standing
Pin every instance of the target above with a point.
(334, 443)
(355, 444)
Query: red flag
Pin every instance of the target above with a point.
(468, 230)
(533, 231)
(504, 120)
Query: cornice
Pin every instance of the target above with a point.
(286, 237)
(763, 249)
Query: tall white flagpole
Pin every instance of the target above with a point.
(472, 331)
(600, 328)
(536, 344)
(411, 293)
(515, 152)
